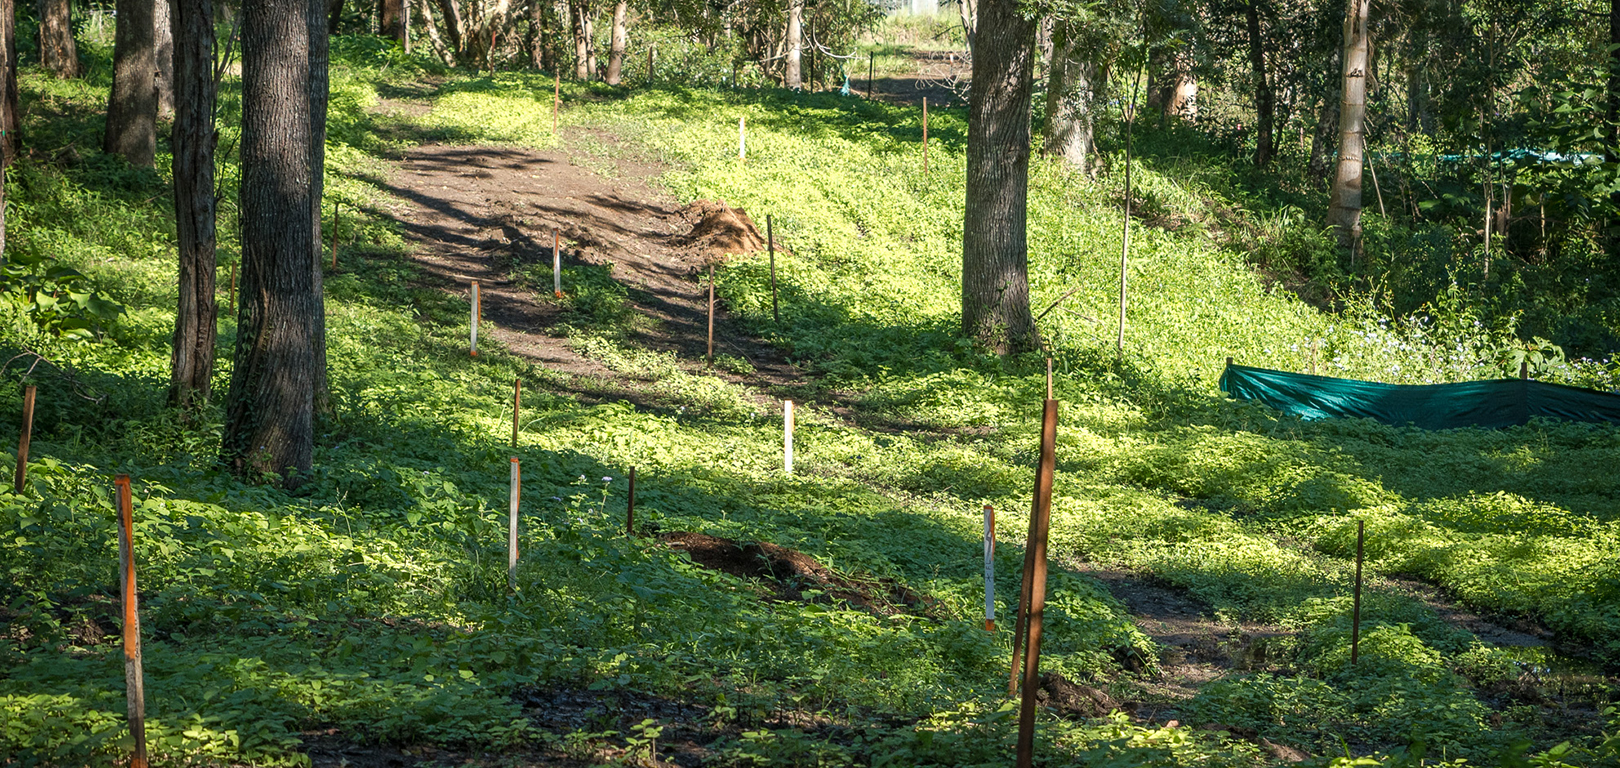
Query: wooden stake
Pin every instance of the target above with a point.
(517, 407)
(989, 568)
(650, 50)
(337, 207)
(1040, 522)
(925, 135)
(512, 525)
(133, 682)
(770, 247)
(1524, 369)
(21, 475)
(556, 261)
(630, 507)
(871, 73)
(711, 315)
(1355, 611)
(787, 436)
(556, 101)
(472, 322)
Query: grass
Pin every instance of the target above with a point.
(374, 601)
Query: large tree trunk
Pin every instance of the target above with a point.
(434, 41)
(1344, 207)
(334, 12)
(191, 364)
(1611, 144)
(620, 39)
(132, 105)
(995, 253)
(452, 25)
(57, 50)
(534, 40)
(393, 20)
(163, 50)
(1070, 96)
(1264, 99)
(576, 14)
(319, 93)
(792, 74)
(590, 40)
(969, 11)
(8, 105)
(270, 412)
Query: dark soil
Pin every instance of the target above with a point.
(789, 574)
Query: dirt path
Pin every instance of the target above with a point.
(474, 212)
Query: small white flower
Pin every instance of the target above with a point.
(607, 479)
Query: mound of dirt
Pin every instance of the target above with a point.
(790, 574)
(718, 231)
(1073, 700)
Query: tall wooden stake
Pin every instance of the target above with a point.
(711, 315)
(337, 208)
(517, 407)
(787, 436)
(1040, 521)
(925, 135)
(134, 685)
(556, 261)
(630, 507)
(512, 525)
(989, 568)
(871, 74)
(21, 475)
(1355, 611)
(770, 247)
(472, 322)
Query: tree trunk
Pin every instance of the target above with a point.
(590, 41)
(1344, 208)
(1070, 97)
(995, 253)
(57, 50)
(1264, 100)
(132, 105)
(393, 20)
(792, 74)
(620, 38)
(319, 94)
(452, 25)
(1327, 123)
(334, 11)
(8, 105)
(270, 411)
(582, 47)
(436, 42)
(1611, 143)
(534, 41)
(1183, 101)
(969, 10)
(163, 50)
(191, 364)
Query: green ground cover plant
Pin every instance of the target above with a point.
(374, 601)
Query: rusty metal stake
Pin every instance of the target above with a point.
(630, 507)
(1040, 522)
(134, 685)
(1355, 611)
(770, 247)
(21, 475)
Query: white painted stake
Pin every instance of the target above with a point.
(989, 568)
(742, 138)
(787, 436)
(472, 322)
(512, 527)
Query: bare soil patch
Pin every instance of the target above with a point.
(789, 574)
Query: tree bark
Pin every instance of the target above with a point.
(1611, 144)
(434, 41)
(163, 50)
(8, 105)
(319, 94)
(1070, 97)
(1264, 99)
(452, 25)
(334, 11)
(995, 253)
(576, 14)
(57, 49)
(620, 39)
(792, 74)
(590, 41)
(534, 39)
(191, 363)
(393, 20)
(1344, 207)
(969, 11)
(132, 105)
(1326, 125)
(270, 411)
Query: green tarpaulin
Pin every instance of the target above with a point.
(1491, 404)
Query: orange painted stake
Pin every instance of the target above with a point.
(132, 621)
(517, 406)
(21, 475)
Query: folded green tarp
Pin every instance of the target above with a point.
(1491, 404)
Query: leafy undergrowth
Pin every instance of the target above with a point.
(375, 601)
